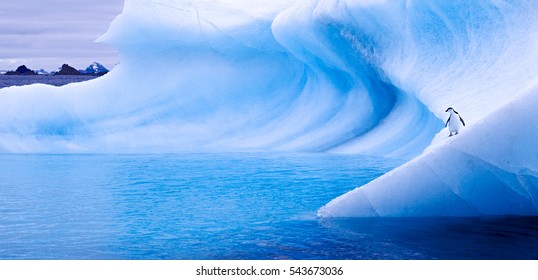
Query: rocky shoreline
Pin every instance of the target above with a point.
(94, 69)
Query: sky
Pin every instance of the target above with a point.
(46, 34)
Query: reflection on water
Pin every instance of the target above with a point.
(440, 238)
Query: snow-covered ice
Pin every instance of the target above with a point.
(347, 76)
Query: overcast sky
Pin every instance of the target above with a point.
(44, 34)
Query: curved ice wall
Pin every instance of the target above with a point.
(370, 77)
(481, 58)
(201, 75)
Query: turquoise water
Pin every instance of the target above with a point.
(222, 206)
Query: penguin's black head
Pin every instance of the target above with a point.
(450, 108)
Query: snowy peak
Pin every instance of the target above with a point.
(95, 68)
(42, 72)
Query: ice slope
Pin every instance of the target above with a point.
(491, 169)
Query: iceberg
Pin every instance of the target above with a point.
(225, 75)
(372, 77)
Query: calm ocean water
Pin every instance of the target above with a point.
(222, 206)
(60, 80)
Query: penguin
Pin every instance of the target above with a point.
(453, 122)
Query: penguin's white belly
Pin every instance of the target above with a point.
(454, 124)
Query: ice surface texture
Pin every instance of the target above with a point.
(371, 77)
(477, 64)
(226, 75)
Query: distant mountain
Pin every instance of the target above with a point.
(67, 70)
(21, 70)
(42, 72)
(95, 69)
